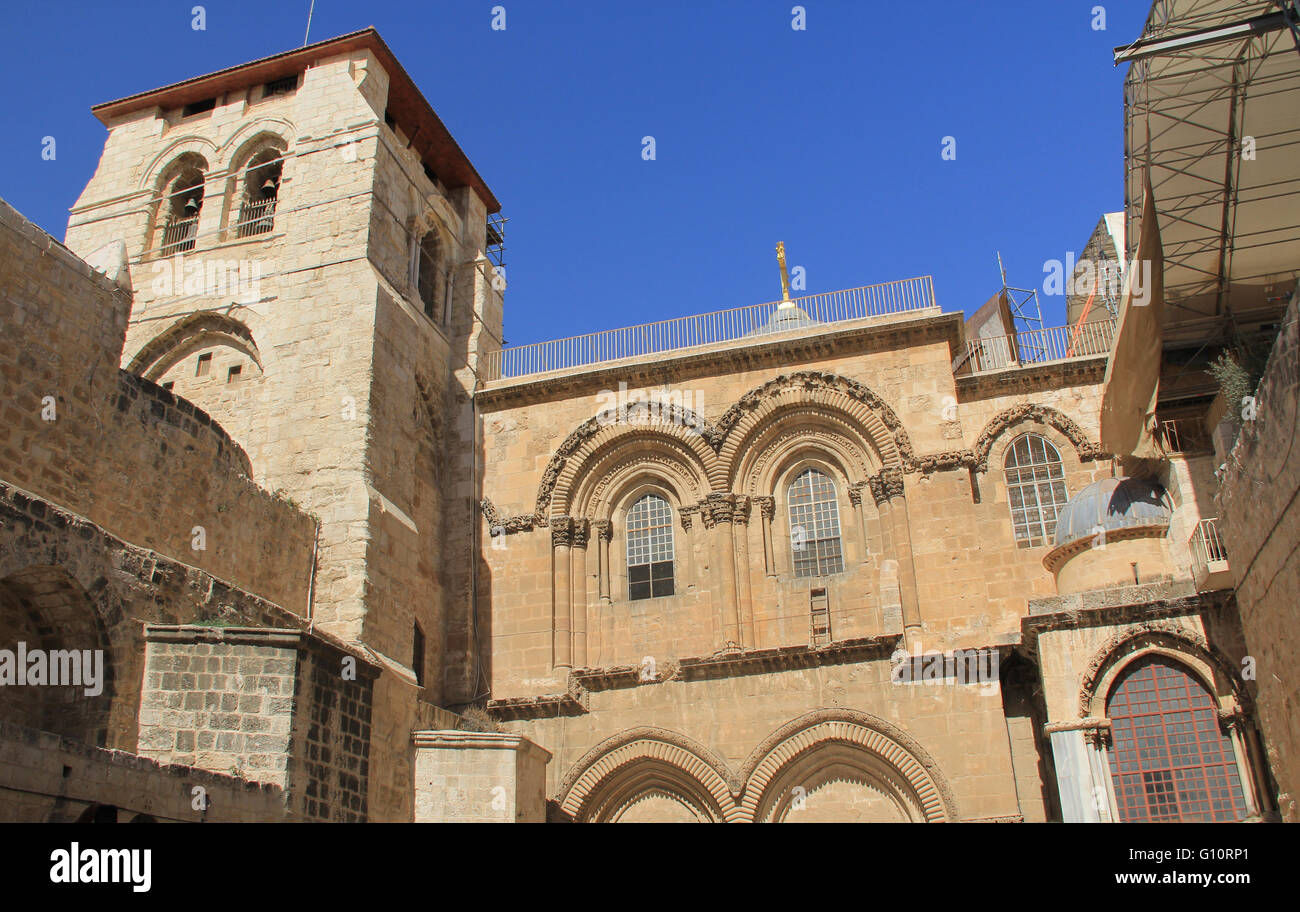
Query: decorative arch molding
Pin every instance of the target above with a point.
(1165, 638)
(803, 428)
(151, 361)
(673, 424)
(159, 168)
(857, 405)
(251, 138)
(1037, 414)
(912, 766)
(433, 213)
(613, 774)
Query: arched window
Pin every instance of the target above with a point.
(428, 273)
(1035, 489)
(650, 548)
(1171, 761)
(815, 525)
(182, 205)
(261, 193)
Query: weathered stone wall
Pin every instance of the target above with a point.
(127, 455)
(48, 779)
(1261, 524)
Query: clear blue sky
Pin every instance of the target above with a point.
(828, 138)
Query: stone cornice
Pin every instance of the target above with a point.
(581, 682)
(1032, 378)
(1054, 559)
(1128, 612)
(873, 334)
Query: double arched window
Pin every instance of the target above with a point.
(1035, 489)
(1171, 761)
(815, 525)
(650, 548)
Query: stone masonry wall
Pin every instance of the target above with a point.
(1260, 535)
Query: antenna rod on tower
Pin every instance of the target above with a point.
(309, 12)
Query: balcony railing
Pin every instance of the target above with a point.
(757, 320)
(179, 234)
(1205, 544)
(1039, 346)
(1185, 435)
(255, 217)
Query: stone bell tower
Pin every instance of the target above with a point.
(307, 248)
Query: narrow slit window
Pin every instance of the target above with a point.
(204, 367)
(650, 548)
(233, 375)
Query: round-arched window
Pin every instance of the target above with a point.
(815, 525)
(1170, 761)
(650, 548)
(1035, 489)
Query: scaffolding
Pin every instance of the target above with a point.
(1026, 319)
(496, 239)
(1212, 107)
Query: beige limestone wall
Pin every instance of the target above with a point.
(1261, 524)
(961, 727)
(48, 779)
(127, 455)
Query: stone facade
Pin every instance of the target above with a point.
(1260, 534)
(288, 496)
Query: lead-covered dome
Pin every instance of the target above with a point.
(1112, 503)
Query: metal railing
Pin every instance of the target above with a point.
(1205, 544)
(1184, 435)
(179, 234)
(756, 320)
(1039, 346)
(255, 217)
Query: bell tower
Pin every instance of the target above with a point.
(307, 249)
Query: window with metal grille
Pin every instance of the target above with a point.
(183, 204)
(1035, 489)
(650, 548)
(815, 525)
(285, 86)
(428, 274)
(1170, 761)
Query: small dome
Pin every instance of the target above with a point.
(784, 319)
(1112, 503)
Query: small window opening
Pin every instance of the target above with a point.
(204, 365)
(417, 655)
(184, 202)
(286, 86)
(198, 107)
(232, 375)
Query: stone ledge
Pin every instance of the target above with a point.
(468, 740)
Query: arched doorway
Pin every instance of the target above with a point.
(1170, 760)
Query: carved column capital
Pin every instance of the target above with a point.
(580, 532)
(855, 493)
(717, 508)
(892, 479)
(604, 529)
(561, 531)
(877, 485)
(741, 512)
(766, 506)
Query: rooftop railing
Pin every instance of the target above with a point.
(756, 321)
(1040, 346)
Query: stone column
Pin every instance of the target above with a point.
(855, 498)
(767, 511)
(1234, 723)
(562, 626)
(717, 510)
(604, 532)
(687, 546)
(744, 597)
(579, 556)
(890, 485)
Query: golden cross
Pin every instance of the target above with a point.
(785, 276)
